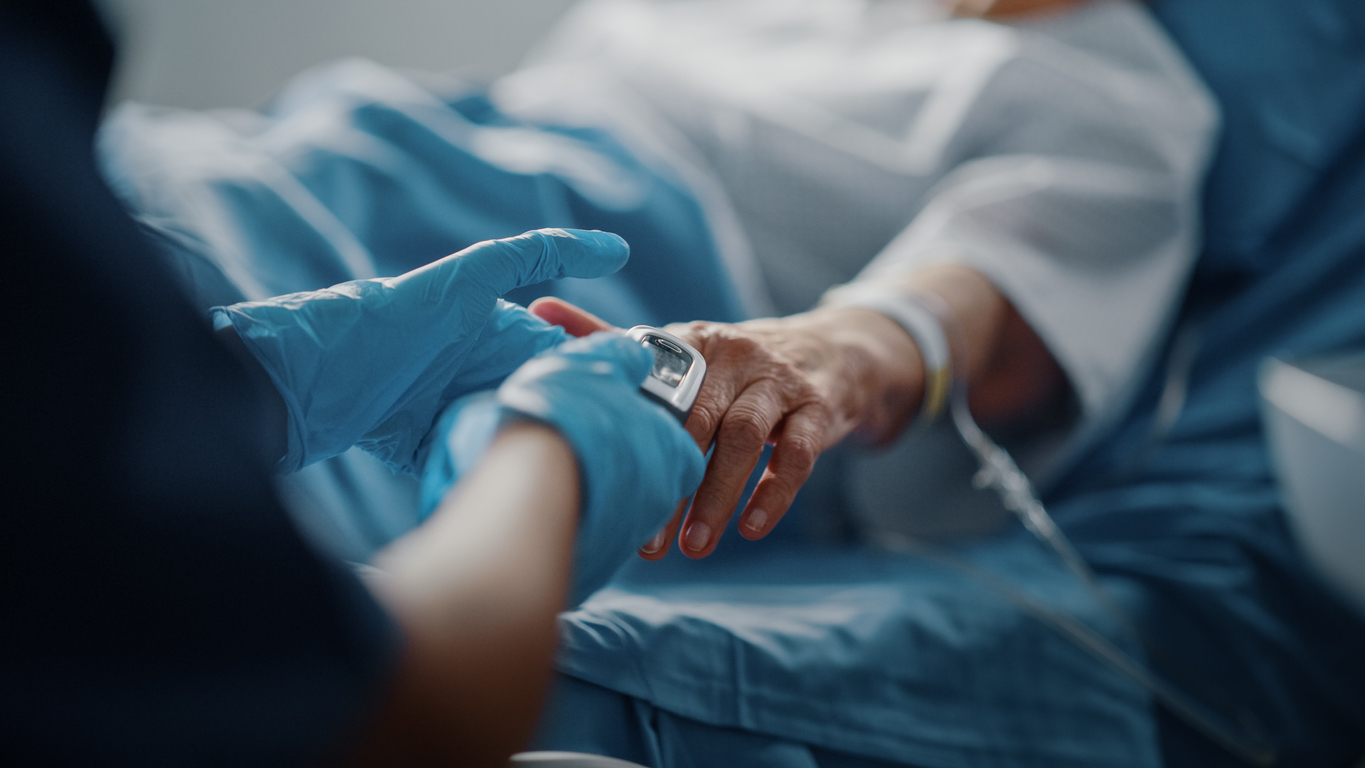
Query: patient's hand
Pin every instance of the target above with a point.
(801, 383)
(805, 382)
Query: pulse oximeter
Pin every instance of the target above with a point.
(678, 370)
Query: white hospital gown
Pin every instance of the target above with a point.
(834, 140)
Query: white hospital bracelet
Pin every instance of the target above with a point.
(920, 322)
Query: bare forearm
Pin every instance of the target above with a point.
(1008, 368)
(476, 591)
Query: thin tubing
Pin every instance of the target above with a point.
(1000, 473)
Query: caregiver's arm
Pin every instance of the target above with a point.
(537, 516)
(476, 590)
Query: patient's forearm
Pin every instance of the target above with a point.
(1009, 369)
(476, 590)
(805, 382)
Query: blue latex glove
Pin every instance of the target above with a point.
(634, 460)
(373, 362)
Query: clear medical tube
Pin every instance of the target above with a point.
(1241, 734)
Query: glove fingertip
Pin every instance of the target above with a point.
(590, 252)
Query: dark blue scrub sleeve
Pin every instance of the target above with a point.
(158, 606)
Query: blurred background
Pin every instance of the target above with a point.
(210, 53)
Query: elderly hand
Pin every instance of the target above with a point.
(805, 382)
(801, 383)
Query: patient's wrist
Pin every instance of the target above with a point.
(883, 364)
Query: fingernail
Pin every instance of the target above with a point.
(657, 543)
(698, 536)
(756, 520)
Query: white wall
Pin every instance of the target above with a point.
(221, 53)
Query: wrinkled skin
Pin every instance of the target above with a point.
(802, 384)
(805, 382)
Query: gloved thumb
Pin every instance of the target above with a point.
(495, 267)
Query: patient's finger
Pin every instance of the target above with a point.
(576, 320)
(743, 432)
(798, 446)
(718, 391)
(733, 362)
(657, 548)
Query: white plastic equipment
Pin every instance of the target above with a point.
(1315, 426)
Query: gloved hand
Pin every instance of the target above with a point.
(635, 461)
(373, 362)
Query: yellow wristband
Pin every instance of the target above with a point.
(920, 323)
